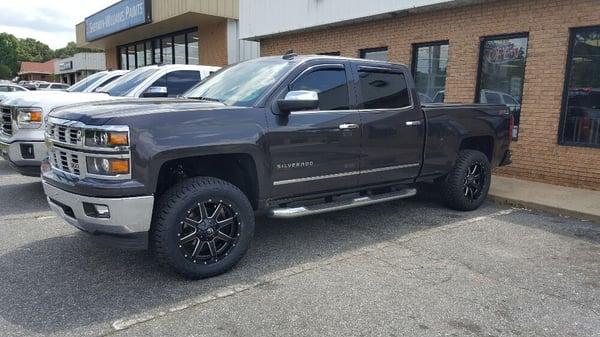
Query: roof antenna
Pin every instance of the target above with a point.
(289, 55)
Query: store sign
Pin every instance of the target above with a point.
(68, 65)
(503, 52)
(118, 17)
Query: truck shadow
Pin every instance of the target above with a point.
(22, 199)
(70, 282)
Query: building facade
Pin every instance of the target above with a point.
(79, 66)
(136, 33)
(540, 58)
(37, 71)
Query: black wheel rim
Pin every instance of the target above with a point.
(208, 232)
(474, 182)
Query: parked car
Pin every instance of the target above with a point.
(22, 127)
(30, 85)
(53, 86)
(8, 87)
(287, 136)
(97, 80)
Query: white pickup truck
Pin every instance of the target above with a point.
(22, 115)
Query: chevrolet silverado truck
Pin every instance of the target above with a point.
(283, 136)
(22, 114)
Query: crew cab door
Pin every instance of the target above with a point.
(393, 125)
(317, 150)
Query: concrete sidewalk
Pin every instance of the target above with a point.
(569, 201)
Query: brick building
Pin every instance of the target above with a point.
(540, 57)
(37, 71)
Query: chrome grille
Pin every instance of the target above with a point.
(64, 134)
(64, 160)
(6, 115)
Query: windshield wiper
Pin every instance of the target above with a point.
(208, 99)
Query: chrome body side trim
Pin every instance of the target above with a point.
(343, 174)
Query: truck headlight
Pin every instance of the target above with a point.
(29, 118)
(107, 166)
(98, 138)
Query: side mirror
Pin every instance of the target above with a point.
(299, 100)
(156, 92)
(99, 89)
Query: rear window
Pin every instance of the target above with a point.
(43, 85)
(492, 98)
(383, 90)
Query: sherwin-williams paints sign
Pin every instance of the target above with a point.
(118, 17)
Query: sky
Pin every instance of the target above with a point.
(49, 21)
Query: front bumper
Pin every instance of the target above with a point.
(126, 226)
(24, 156)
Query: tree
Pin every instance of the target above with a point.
(71, 49)
(8, 52)
(33, 50)
(5, 72)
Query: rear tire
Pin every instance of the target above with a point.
(466, 186)
(202, 227)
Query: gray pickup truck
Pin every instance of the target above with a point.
(286, 136)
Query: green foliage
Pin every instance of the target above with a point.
(33, 50)
(5, 72)
(13, 51)
(71, 49)
(8, 52)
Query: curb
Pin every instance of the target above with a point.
(546, 208)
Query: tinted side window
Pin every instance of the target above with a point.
(330, 84)
(4, 89)
(181, 81)
(383, 90)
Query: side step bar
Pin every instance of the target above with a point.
(285, 213)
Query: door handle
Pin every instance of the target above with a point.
(413, 123)
(348, 126)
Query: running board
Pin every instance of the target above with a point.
(285, 213)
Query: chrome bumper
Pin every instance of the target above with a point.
(127, 215)
(12, 152)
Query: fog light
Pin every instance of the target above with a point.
(96, 210)
(102, 211)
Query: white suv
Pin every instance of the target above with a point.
(22, 116)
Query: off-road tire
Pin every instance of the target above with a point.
(173, 205)
(452, 186)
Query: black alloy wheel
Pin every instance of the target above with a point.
(208, 232)
(202, 227)
(466, 186)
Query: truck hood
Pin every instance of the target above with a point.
(53, 99)
(100, 112)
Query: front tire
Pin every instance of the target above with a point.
(466, 186)
(203, 226)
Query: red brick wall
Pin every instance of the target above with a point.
(537, 156)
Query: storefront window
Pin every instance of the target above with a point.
(192, 44)
(157, 51)
(148, 53)
(580, 124)
(123, 57)
(179, 41)
(180, 48)
(141, 57)
(167, 50)
(378, 54)
(502, 72)
(429, 70)
(131, 57)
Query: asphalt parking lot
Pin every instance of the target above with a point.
(406, 268)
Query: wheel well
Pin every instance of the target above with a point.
(484, 144)
(237, 169)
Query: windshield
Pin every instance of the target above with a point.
(128, 82)
(241, 84)
(86, 82)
